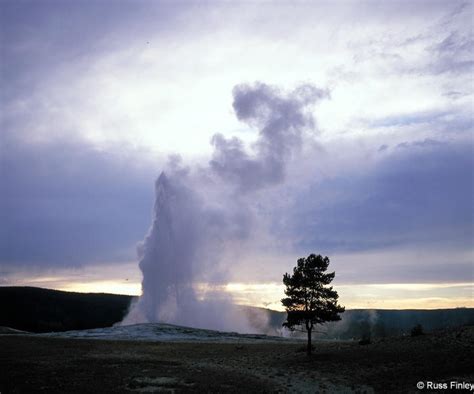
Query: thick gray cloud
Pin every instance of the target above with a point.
(66, 203)
(418, 195)
(63, 201)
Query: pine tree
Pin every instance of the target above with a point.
(310, 300)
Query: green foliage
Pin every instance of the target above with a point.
(309, 298)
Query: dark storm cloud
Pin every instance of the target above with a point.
(65, 203)
(419, 194)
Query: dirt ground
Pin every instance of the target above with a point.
(55, 365)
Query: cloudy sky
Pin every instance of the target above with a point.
(96, 96)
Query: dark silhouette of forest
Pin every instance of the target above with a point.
(42, 310)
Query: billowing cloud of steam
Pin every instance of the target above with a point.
(203, 214)
(281, 121)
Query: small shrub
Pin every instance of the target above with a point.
(417, 331)
(366, 339)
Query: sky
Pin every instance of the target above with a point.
(98, 97)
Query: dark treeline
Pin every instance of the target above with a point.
(363, 323)
(42, 310)
(379, 323)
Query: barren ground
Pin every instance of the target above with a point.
(57, 365)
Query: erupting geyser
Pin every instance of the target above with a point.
(203, 215)
(171, 241)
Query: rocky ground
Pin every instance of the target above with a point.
(63, 365)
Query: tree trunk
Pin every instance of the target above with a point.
(309, 348)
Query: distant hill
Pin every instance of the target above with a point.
(370, 323)
(43, 310)
(379, 323)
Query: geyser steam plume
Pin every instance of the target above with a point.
(204, 215)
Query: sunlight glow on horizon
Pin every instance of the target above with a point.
(268, 295)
